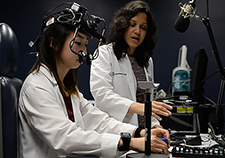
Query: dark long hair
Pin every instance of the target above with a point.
(121, 23)
(49, 47)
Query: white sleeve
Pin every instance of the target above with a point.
(96, 119)
(101, 86)
(47, 119)
(154, 122)
(107, 126)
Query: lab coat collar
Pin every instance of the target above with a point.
(46, 72)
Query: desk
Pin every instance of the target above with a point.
(135, 154)
(79, 156)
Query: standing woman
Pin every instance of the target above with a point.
(126, 59)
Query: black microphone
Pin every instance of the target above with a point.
(187, 11)
(82, 56)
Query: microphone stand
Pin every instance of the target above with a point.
(148, 86)
(214, 123)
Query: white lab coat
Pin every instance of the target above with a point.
(46, 131)
(113, 84)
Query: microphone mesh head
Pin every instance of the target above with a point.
(181, 24)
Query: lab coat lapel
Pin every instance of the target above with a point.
(131, 80)
(76, 111)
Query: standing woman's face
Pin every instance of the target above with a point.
(68, 59)
(136, 31)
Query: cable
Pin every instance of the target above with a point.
(204, 80)
(211, 101)
(172, 85)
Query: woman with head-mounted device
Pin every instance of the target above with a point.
(55, 119)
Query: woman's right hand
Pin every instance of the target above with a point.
(157, 145)
(157, 108)
(160, 108)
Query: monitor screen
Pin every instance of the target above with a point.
(198, 75)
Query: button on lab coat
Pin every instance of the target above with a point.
(113, 84)
(46, 131)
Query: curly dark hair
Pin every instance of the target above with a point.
(121, 23)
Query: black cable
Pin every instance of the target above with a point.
(204, 81)
(207, 99)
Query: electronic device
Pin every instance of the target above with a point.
(183, 20)
(181, 25)
(198, 75)
(126, 141)
(148, 85)
(76, 17)
(181, 74)
(201, 152)
(165, 140)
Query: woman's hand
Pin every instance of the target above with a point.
(157, 145)
(157, 108)
(161, 133)
(137, 144)
(160, 108)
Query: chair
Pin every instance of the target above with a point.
(9, 92)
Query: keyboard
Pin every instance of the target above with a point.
(200, 152)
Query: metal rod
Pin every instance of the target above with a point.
(148, 113)
(215, 117)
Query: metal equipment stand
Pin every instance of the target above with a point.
(148, 86)
(214, 123)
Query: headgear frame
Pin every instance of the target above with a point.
(77, 17)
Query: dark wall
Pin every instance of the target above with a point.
(25, 16)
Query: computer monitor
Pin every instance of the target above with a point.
(198, 75)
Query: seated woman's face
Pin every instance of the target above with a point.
(67, 58)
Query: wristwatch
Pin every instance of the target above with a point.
(126, 141)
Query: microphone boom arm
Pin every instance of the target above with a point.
(181, 24)
(215, 117)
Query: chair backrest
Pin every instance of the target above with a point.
(9, 92)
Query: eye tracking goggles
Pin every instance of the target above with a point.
(76, 16)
